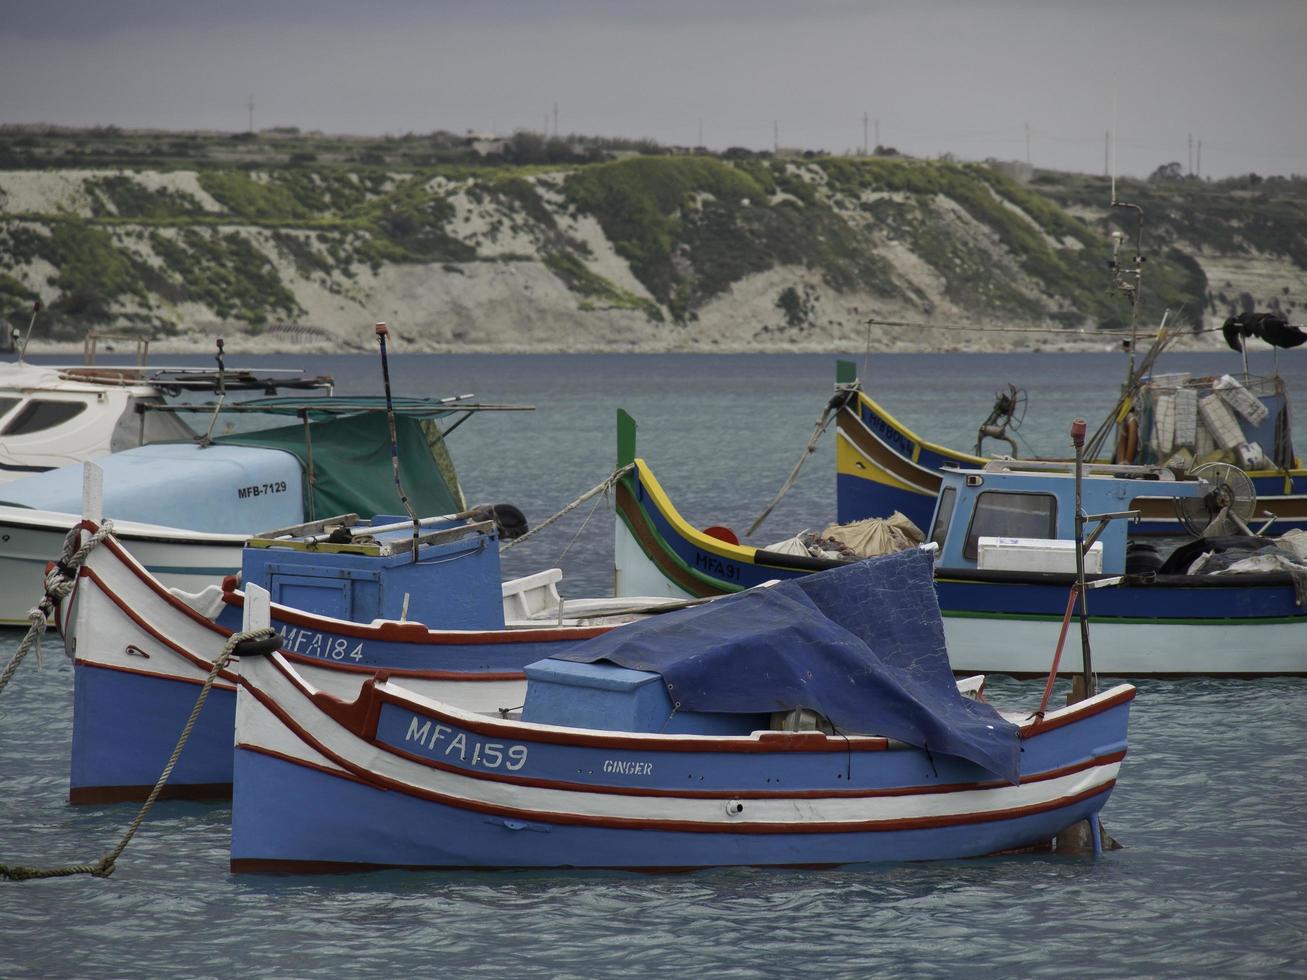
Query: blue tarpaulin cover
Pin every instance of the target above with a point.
(862, 644)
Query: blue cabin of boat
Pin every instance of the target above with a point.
(1033, 509)
(606, 697)
(369, 573)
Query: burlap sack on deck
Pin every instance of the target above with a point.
(876, 535)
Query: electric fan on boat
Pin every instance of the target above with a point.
(1225, 505)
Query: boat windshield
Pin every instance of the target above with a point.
(939, 531)
(40, 414)
(1003, 514)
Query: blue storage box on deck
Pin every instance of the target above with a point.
(610, 698)
(455, 584)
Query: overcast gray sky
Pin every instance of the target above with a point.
(956, 76)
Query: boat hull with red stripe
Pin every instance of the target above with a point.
(395, 779)
(140, 654)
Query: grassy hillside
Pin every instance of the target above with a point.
(163, 231)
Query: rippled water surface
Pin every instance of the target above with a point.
(1211, 805)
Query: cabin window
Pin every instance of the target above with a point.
(1000, 514)
(39, 414)
(943, 515)
(6, 404)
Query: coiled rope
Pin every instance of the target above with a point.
(603, 487)
(105, 865)
(59, 582)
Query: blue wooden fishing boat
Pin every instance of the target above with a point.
(815, 722)
(361, 604)
(1006, 561)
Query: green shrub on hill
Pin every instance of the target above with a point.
(92, 272)
(228, 274)
(598, 292)
(245, 197)
(410, 224)
(693, 226)
(125, 197)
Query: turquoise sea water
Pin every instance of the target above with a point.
(1211, 805)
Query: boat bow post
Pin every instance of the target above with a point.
(1078, 427)
(382, 333)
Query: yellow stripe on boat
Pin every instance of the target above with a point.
(705, 542)
(851, 461)
(921, 443)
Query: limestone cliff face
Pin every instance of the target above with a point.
(647, 253)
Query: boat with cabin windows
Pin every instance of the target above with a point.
(1172, 420)
(57, 415)
(186, 508)
(1005, 533)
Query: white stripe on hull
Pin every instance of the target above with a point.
(259, 728)
(1022, 646)
(29, 547)
(103, 635)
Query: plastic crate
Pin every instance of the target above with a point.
(1241, 399)
(1164, 425)
(1186, 417)
(1220, 421)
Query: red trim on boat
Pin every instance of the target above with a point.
(640, 823)
(221, 635)
(93, 795)
(144, 625)
(194, 681)
(360, 718)
(417, 633)
(1038, 726)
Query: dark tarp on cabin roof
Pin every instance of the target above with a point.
(351, 465)
(862, 644)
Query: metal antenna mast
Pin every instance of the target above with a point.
(250, 105)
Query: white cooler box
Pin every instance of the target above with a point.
(1036, 555)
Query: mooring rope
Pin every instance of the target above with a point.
(563, 554)
(105, 865)
(832, 410)
(59, 582)
(603, 487)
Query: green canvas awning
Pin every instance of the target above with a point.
(350, 469)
